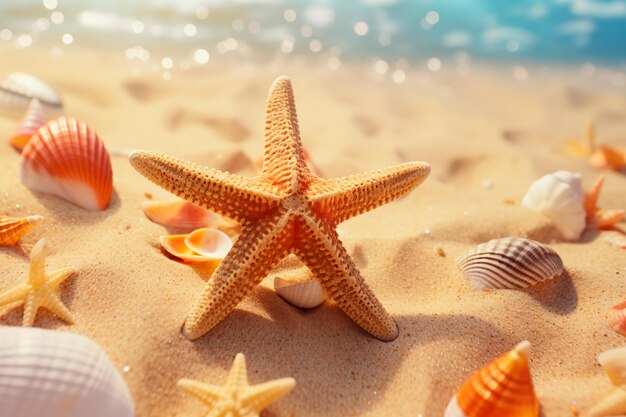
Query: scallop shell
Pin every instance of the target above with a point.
(502, 388)
(613, 363)
(212, 245)
(67, 158)
(19, 88)
(13, 229)
(613, 405)
(303, 294)
(184, 215)
(617, 319)
(559, 196)
(510, 263)
(30, 124)
(47, 373)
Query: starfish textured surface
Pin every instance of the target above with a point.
(237, 398)
(39, 290)
(286, 209)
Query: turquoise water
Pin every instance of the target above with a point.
(413, 30)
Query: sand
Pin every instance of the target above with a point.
(475, 126)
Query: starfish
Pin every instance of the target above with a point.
(284, 210)
(238, 398)
(39, 290)
(599, 156)
(597, 217)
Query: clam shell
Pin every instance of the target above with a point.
(67, 158)
(48, 373)
(617, 319)
(32, 121)
(213, 244)
(502, 388)
(510, 263)
(303, 294)
(613, 362)
(12, 229)
(613, 405)
(559, 196)
(19, 88)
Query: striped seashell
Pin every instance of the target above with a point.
(617, 319)
(19, 88)
(47, 373)
(510, 262)
(303, 294)
(202, 245)
(67, 158)
(614, 238)
(31, 123)
(613, 363)
(502, 388)
(13, 229)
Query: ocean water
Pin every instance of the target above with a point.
(332, 32)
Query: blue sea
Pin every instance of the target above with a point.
(411, 31)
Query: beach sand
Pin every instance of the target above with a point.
(473, 127)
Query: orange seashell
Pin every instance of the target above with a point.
(67, 158)
(617, 318)
(211, 243)
(185, 215)
(13, 229)
(502, 388)
(33, 120)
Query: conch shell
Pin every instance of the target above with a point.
(559, 196)
(303, 294)
(614, 364)
(30, 124)
(502, 388)
(13, 229)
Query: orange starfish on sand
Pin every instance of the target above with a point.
(286, 209)
(599, 156)
(597, 217)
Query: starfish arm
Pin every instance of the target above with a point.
(258, 249)
(228, 194)
(31, 305)
(326, 257)
(343, 198)
(53, 303)
(208, 394)
(238, 375)
(284, 162)
(258, 397)
(58, 276)
(13, 295)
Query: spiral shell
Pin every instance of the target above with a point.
(30, 124)
(19, 88)
(502, 388)
(13, 229)
(304, 294)
(67, 158)
(202, 245)
(559, 196)
(510, 263)
(48, 373)
(617, 319)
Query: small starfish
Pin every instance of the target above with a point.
(597, 217)
(39, 290)
(599, 156)
(238, 398)
(286, 209)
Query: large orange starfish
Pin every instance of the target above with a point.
(286, 209)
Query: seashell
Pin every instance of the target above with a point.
(559, 196)
(49, 373)
(616, 239)
(19, 88)
(613, 405)
(212, 244)
(67, 158)
(303, 294)
(30, 124)
(617, 319)
(13, 229)
(502, 388)
(185, 215)
(613, 363)
(510, 263)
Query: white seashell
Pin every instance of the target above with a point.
(303, 294)
(210, 243)
(19, 88)
(510, 263)
(614, 364)
(45, 373)
(560, 197)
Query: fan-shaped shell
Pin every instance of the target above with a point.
(19, 88)
(67, 158)
(617, 319)
(510, 263)
(303, 294)
(559, 196)
(212, 244)
(502, 388)
(32, 121)
(48, 373)
(12, 229)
